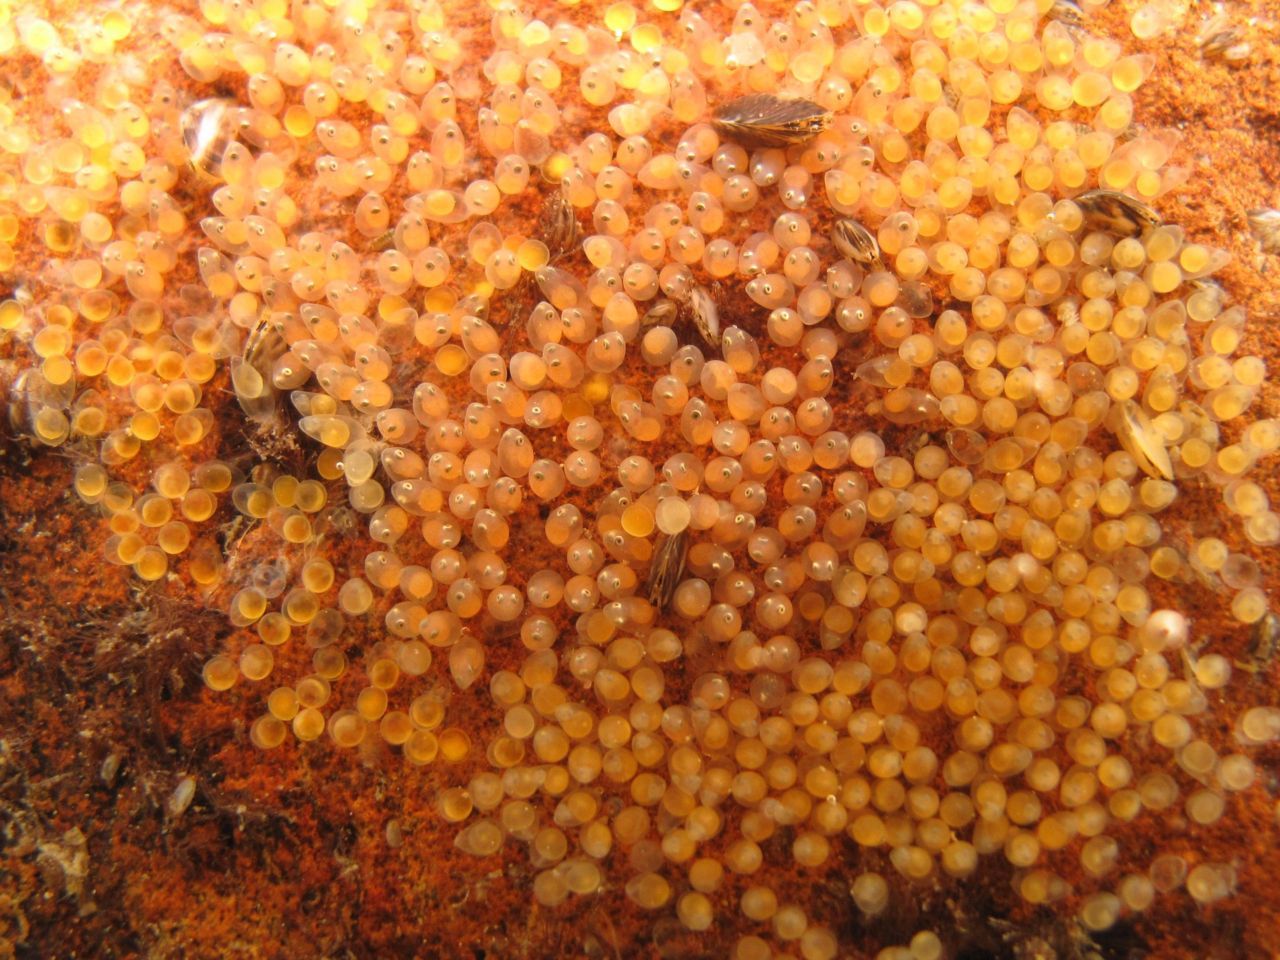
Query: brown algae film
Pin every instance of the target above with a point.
(775, 417)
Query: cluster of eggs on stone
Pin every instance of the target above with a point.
(521, 300)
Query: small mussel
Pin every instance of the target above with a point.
(857, 243)
(1067, 12)
(383, 241)
(763, 120)
(1143, 442)
(1115, 212)
(667, 568)
(1263, 637)
(662, 313)
(1226, 45)
(208, 128)
(1265, 225)
(559, 225)
(251, 371)
(705, 315)
(1220, 39)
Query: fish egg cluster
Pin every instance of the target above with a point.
(777, 417)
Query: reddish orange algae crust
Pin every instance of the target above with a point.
(1228, 118)
(287, 853)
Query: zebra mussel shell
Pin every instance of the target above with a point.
(1067, 12)
(705, 315)
(763, 120)
(1116, 212)
(855, 242)
(667, 569)
(559, 225)
(662, 312)
(208, 128)
(1265, 226)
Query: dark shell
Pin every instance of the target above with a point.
(1116, 212)
(559, 225)
(662, 312)
(1263, 637)
(857, 243)
(667, 568)
(763, 120)
(706, 315)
